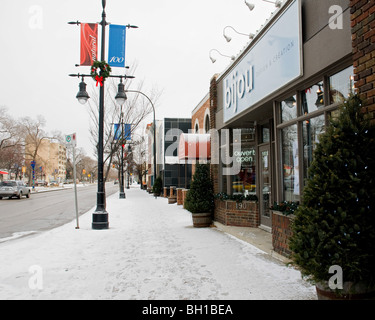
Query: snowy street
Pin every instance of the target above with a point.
(151, 251)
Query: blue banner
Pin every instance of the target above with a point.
(127, 131)
(116, 47)
(117, 130)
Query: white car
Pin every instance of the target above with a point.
(12, 188)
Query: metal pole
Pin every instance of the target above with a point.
(75, 184)
(153, 108)
(100, 216)
(122, 192)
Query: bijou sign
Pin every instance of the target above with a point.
(273, 61)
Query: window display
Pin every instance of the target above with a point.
(290, 162)
(289, 109)
(245, 181)
(312, 98)
(341, 85)
(311, 130)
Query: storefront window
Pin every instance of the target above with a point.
(290, 162)
(311, 130)
(341, 85)
(245, 181)
(288, 109)
(265, 134)
(312, 98)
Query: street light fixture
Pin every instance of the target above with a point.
(82, 94)
(121, 96)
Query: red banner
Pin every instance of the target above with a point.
(89, 43)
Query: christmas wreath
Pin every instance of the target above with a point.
(104, 72)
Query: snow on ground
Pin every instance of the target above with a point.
(151, 251)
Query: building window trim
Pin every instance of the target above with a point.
(299, 120)
(196, 126)
(206, 120)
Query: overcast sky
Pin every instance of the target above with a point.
(171, 48)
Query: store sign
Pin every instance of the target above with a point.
(273, 62)
(245, 156)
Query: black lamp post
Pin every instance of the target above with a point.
(128, 178)
(153, 108)
(122, 192)
(100, 216)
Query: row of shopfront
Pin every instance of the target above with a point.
(265, 112)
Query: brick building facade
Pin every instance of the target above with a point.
(363, 41)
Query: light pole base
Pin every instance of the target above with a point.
(122, 195)
(100, 221)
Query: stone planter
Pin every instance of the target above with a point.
(281, 233)
(350, 291)
(202, 220)
(165, 193)
(240, 214)
(172, 191)
(172, 195)
(179, 197)
(184, 193)
(172, 200)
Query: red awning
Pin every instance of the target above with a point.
(194, 147)
(3, 172)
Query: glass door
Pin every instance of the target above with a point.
(265, 186)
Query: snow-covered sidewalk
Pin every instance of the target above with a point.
(150, 251)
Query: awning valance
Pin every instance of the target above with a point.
(194, 147)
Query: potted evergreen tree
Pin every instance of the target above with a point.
(157, 187)
(200, 197)
(333, 240)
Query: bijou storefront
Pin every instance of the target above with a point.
(270, 105)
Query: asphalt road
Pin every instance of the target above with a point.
(46, 210)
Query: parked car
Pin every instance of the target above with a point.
(12, 188)
(40, 183)
(53, 183)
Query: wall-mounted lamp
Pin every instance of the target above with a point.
(250, 5)
(228, 38)
(277, 3)
(214, 60)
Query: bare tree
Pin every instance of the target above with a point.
(139, 156)
(9, 130)
(135, 110)
(33, 137)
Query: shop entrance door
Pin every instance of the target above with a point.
(265, 187)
